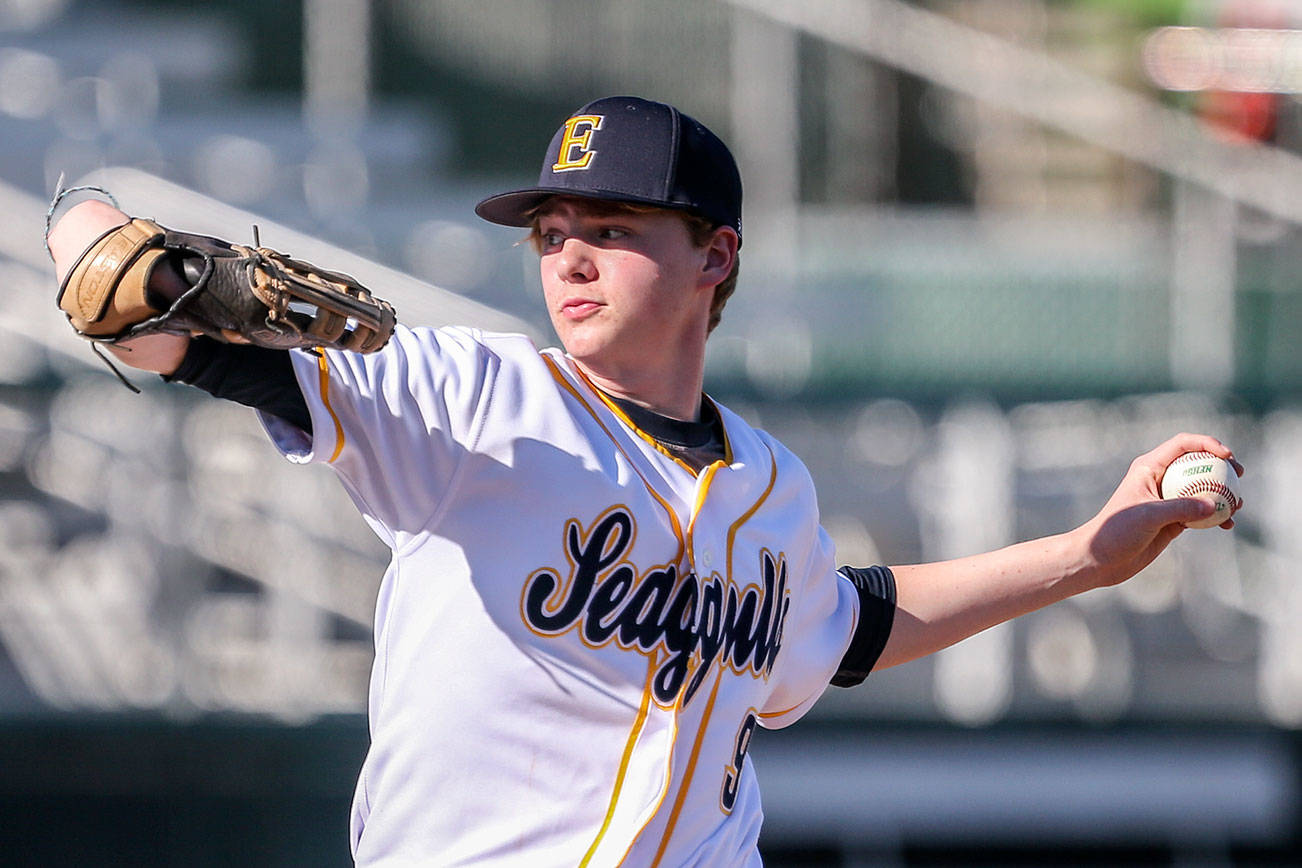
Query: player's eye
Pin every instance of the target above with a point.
(611, 233)
(552, 239)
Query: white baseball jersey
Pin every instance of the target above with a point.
(577, 633)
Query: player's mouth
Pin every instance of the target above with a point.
(578, 308)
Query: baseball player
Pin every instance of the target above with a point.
(602, 579)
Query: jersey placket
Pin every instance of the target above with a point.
(705, 555)
(591, 399)
(747, 485)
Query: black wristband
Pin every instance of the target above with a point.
(876, 586)
(256, 377)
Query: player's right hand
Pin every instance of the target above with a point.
(1136, 524)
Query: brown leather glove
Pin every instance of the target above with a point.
(237, 294)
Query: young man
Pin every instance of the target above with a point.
(603, 580)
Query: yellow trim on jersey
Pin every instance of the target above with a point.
(767, 715)
(643, 714)
(668, 508)
(668, 779)
(688, 772)
(745, 517)
(624, 417)
(655, 658)
(323, 370)
(702, 491)
(684, 548)
(656, 444)
(709, 472)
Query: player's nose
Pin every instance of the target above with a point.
(574, 263)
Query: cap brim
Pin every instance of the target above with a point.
(513, 208)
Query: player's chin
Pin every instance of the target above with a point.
(594, 358)
(585, 340)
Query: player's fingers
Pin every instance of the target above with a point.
(1179, 510)
(78, 229)
(1163, 455)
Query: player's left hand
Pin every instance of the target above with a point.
(1136, 524)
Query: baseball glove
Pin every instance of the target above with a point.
(236, 294)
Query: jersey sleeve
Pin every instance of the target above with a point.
(819, 626)
(393, 424)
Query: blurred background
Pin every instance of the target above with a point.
(994, 250)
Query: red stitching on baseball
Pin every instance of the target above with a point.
(1203, 486)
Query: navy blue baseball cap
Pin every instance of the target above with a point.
(629, 149)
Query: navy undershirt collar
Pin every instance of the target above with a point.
(674, 432)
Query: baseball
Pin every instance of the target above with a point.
(1202, 474)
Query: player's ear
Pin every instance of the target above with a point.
(720, 255)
